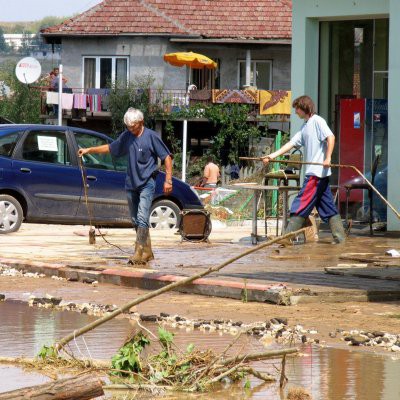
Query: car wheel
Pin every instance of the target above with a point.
(164, 214)
(11, 214)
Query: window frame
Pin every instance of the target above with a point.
(97, 64)
(254, 69)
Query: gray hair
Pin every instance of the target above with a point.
(132, 116)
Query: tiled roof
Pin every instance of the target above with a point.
(245, 19)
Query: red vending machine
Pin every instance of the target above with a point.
(351, 144)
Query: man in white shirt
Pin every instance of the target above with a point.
(318, 142)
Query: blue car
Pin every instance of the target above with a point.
(41, 181)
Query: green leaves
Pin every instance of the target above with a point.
(128, 356)
(47, 352)
(165, 337)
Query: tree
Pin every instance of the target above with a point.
(3, 45)
(22, 105)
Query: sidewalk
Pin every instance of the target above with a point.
(282, 276)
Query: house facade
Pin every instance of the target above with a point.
(119, 40)
(345, 56)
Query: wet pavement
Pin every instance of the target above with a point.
(327, 373)
(299, 269)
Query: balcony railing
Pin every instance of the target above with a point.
(81, 102)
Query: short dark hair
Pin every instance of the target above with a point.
(305, 104)
(210, 159)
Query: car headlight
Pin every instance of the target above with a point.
(196, 194)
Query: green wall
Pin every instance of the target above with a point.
(305, 55)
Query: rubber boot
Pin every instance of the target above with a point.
(147, 251)
(295, 223)
(141, 239)
(338, 233)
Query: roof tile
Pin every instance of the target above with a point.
(261, 19)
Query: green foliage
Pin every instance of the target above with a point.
(166, 338)
(3, 45)
(22, 105)
(47, 352)
(135, 94)
(128, 356)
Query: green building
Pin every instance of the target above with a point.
(345, 55)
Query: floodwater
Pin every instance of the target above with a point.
(327, 373)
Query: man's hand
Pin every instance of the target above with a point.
(82, 152)
(266, 160)
(327, 162)
(167, 187)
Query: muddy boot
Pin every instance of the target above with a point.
(147, 251)
(141, 239)
(295, 223)
(338, 233)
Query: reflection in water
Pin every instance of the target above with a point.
(329, 374)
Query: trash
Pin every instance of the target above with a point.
(393, 253)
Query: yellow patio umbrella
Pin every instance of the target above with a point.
(190, 59)
(195, 61)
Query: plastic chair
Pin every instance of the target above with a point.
(364, 186)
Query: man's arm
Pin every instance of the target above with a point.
(284, 149)
(105, 148)
(331, 144)
(168, 175)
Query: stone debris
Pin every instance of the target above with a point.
(274, 330)
(8, 271)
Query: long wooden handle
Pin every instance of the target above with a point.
(333, 166)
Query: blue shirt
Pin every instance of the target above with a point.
(312, 137)
(142, 152)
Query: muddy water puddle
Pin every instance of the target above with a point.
(327, 373)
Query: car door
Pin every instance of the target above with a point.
(44, 173)
(105, 182)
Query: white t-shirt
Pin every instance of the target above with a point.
(312, 137)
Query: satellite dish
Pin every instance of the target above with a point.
(28, 70)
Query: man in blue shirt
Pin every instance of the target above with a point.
(318, 142)
(143, 147)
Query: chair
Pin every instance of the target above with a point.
(364, 186)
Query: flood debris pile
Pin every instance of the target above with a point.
(188, 370)
(8, 271)
(374, 338)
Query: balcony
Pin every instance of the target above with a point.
(81, 104)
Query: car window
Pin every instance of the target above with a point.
(7, 144)
(46, 146)
(100, 161)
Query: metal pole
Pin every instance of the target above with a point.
(60, 95)
(248, 67)
(184, 146)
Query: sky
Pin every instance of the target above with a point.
(33, 10)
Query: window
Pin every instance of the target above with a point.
(99, 72)
(99, 161)
(206, 78)
(7, 144)
(46, 146)
(260, 74)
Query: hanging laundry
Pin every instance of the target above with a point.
(80, 101)
(94, 102)
(51, 98)
(105, 102)
(67, 100)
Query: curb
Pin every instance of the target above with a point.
(278, 293)
(275, 293)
